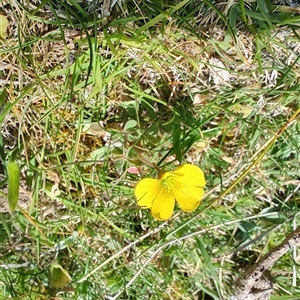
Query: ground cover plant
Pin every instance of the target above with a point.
(96, 96)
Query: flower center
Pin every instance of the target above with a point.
(167, 182)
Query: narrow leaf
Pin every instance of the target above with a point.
(13, 184)
(177, 141)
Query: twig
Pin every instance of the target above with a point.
(251, 278)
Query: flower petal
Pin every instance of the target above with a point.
(187, 197)
(190, 175)
(146, 191)
(163, 205)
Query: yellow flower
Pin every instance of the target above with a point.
(185, 185)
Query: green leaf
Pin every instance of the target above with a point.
(7, 108)
(3, 94)
(177, 141)
(130, 125)
(3, 26)
(58, 276)
(13, 184)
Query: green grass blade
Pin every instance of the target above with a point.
(13, 184)
(177, 141)
(161, 16)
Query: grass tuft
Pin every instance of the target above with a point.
(95, 97)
